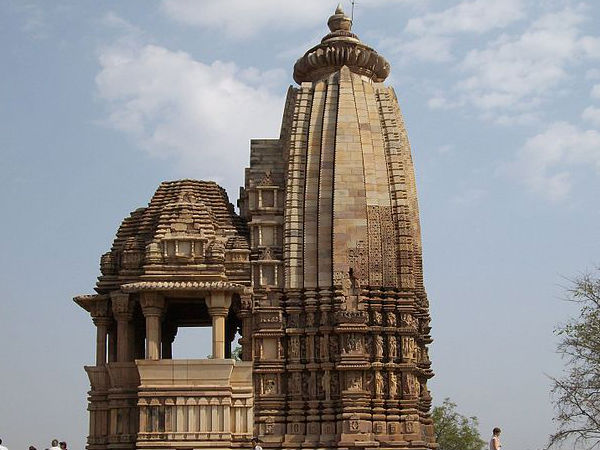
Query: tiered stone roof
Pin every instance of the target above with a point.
(191, 211)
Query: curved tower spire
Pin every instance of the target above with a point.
(336, 253)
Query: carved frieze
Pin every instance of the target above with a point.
(269, 319)
(353, 343)
(269, 384)
(351, 317)
(354, 381)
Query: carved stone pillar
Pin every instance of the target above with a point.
(112, 343)
(246, 316)
(122, 306)
(153, 305)
(218, 306)
(98, 307)
(102, 324)
(168, 336)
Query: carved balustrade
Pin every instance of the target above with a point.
(195, 403)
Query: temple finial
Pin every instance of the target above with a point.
(339, 20)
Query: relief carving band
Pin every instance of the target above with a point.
(319, 275)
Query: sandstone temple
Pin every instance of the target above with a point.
(320, 274)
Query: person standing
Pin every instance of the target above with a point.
(2, 447)
(495, 441)
(54, 445)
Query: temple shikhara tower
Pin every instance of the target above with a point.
(320, 274)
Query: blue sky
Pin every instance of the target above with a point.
(100, 101)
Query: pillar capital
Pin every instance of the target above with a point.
(218, 303)
(122, 305)
(97, 305)
(153, 304)
(102, 321)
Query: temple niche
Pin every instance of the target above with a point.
(320, 274)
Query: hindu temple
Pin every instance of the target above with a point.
(320, 273)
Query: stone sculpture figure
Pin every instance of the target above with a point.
(393, 385)
(378, 384)
(392, 347)
(379, 346)
(391, 319)
(294, 347)
(377, 318)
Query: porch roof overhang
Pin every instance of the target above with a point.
(184, 286)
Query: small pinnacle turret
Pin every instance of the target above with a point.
(339, 20)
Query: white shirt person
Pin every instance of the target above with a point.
(495, 441)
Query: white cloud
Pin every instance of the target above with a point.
(241, 19)
(547, 161)
(595, 92)
(440, 102)
(592, 74)
(517, 73)
(200, 115)
(469, 197)
(429, 47)
(32, 17)
(445, 149)
(592, 115)
(431, 37)
(476, 16)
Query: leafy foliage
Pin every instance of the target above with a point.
(576, 396)
(454, 431)
(236, 353)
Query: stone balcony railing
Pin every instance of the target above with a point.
(194, 403)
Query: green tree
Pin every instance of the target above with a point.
(236, 353)
(576, 396)
(454, 431)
